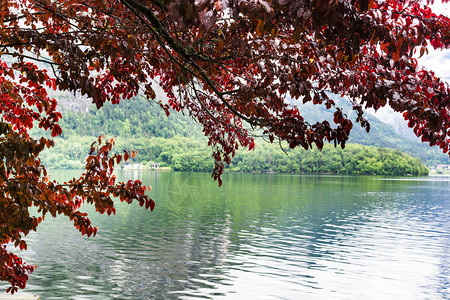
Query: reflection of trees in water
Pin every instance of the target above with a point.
(184, 189)
(267, 225)
(286, 228)
(180, 246)
(205, 250)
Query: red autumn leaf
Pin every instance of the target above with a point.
(251, 146)
(56, 130)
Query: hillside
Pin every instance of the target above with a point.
(381, 134)
(178, 142)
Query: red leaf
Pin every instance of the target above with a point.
(56, 130)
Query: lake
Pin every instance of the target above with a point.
(259, 236)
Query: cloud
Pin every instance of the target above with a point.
(440, 8)
(439, 62)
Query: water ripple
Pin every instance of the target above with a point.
(259, 237)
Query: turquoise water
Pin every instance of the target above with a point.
(259, 236)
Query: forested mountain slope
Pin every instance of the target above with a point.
(139, 118)
(177, 141)
(381, 134)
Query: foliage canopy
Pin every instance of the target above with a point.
(230, 64)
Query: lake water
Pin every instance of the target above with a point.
(259, 236)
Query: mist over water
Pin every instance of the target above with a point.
(259, 236)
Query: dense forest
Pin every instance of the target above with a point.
(381, 134)
(177, 142)
(187, 154)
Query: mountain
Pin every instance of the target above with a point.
(139, 118)
(381, 134)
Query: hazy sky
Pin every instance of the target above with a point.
(439, 61)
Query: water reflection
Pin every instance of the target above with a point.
(259, 236)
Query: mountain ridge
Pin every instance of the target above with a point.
(381, 134)
(139, 117)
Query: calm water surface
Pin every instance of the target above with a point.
(257, 237)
